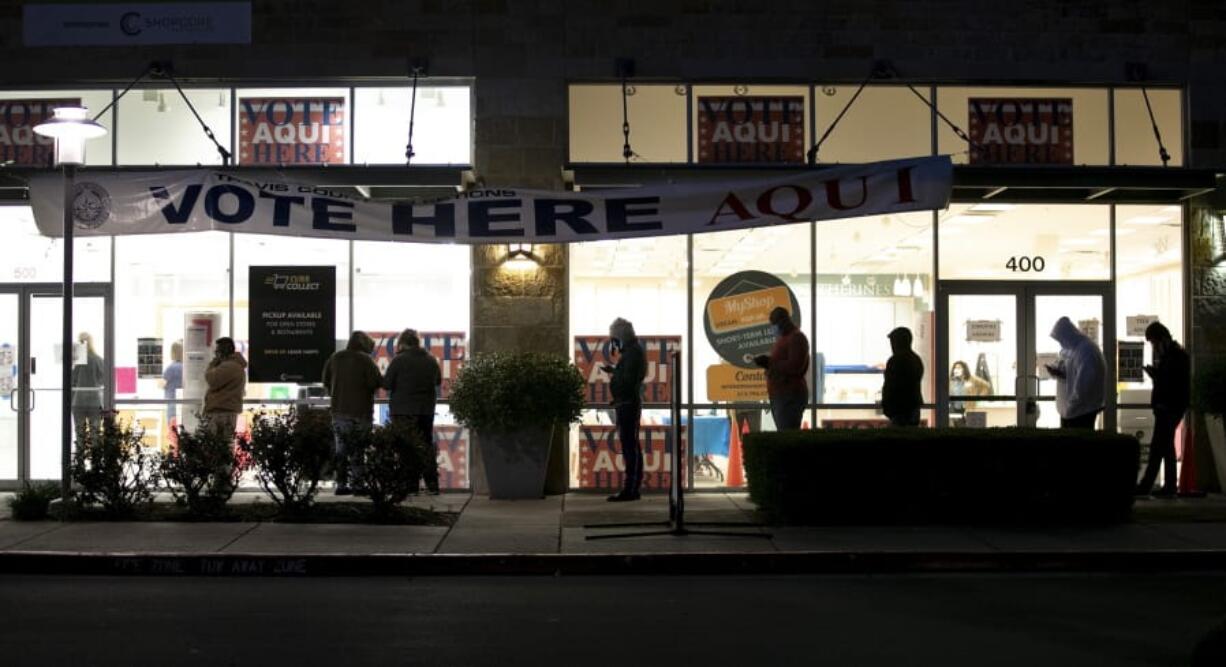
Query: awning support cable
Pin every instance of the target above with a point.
(627, 152)
(408, 149)
(812, 154)
(1162, 152)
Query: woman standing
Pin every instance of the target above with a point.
(962, 383)
(88, 385)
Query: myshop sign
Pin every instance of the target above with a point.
(137, 23)
(158, 202)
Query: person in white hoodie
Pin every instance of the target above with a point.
(1080, 376)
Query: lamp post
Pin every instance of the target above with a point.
(70, 127)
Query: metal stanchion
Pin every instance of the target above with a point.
(676, 524)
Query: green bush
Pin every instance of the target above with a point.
(33, 501)
(111, 467)
(388, 461)
(202, 470)
(290, 453)
(1209, 387)
(922, 475)
(505, 392)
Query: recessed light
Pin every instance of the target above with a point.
(1147, 220)
(993, 207)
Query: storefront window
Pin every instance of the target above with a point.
(1135, 143)
(1025, 242)
(873, 274)
(157, 127)
(26, 256)
(260, 250)
(884, 123)
(293, 126)
(657, 123)
(442, 127)
(20, 111)
(1035, 126)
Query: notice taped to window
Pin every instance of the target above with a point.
(293, 322)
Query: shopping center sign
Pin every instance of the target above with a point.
(157, 202)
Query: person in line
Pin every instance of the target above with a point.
(226, 378)
(962, 383)
(412, 380)
(88, 383)
(172, 382)
(351, 377)
(626, 386)
(1172, 375)
(785, 371)
(1080, 376)
(901, 396)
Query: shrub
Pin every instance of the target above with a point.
(1209, 387)
(505, 391)
(202, 469)
(111, 466)
(290, 452)
(890, 475)
(33, 501)
(388, 461)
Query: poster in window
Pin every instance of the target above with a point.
(1018, 130)
(19, 145)
(149, 358)
(756, 129)
(600, 461)
(592, 352)
(292, 321)
(737, 316)
(291, 130)
(452, 443)
(1131, 361)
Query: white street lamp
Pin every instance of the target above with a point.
(71, 127)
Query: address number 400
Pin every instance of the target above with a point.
(1026, 264)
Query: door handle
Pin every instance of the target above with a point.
(12, 394)
(33, 365)
(33, 398)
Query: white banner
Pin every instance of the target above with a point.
(158, 202)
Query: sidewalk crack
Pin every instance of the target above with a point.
(240, 536)
(451, 527)
(10, 547)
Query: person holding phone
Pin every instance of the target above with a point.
(1172, 375)
(786, 366)
(626, 386)
(1080, 376)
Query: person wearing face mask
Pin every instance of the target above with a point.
(786, 366)
(1172, 374)
(626, 385)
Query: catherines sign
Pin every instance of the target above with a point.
(121, 24)
(159, 202)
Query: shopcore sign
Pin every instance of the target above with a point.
(115, 203)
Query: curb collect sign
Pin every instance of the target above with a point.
(159, 202)
(293, 322)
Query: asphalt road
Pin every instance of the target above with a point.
(946, 620)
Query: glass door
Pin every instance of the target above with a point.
(994, 344)
(31, 379)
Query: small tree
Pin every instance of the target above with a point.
(390, 460)
(290, 452)
(111, 466)
(202, 470)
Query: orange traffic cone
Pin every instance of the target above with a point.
(736, 468)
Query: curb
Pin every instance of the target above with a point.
(409, 565)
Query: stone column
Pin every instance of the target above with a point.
(1208, 304)
(520, 142)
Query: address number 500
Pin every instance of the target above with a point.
(1026, 264)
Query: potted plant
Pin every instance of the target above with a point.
(513, 402)
(1209, 399)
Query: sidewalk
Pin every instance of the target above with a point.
(532, 534)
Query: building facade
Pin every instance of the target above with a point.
(1056, 116)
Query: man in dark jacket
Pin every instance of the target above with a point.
(351, 378)
(626, 385)
(412, 381)
(1171, 373)
(785, 372)
(901, 396)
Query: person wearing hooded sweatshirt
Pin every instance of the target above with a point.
(626, 385)
(351, 377)
(412, 381)
(1172, 375)
(785, 371)
(1080, 376)
(226, 377)
(901, 396)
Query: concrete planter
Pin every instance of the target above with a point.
(1217, 445)
(516, 462)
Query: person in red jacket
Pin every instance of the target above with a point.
(785, 372)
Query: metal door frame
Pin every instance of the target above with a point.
(1025, 293)
(26, 401)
